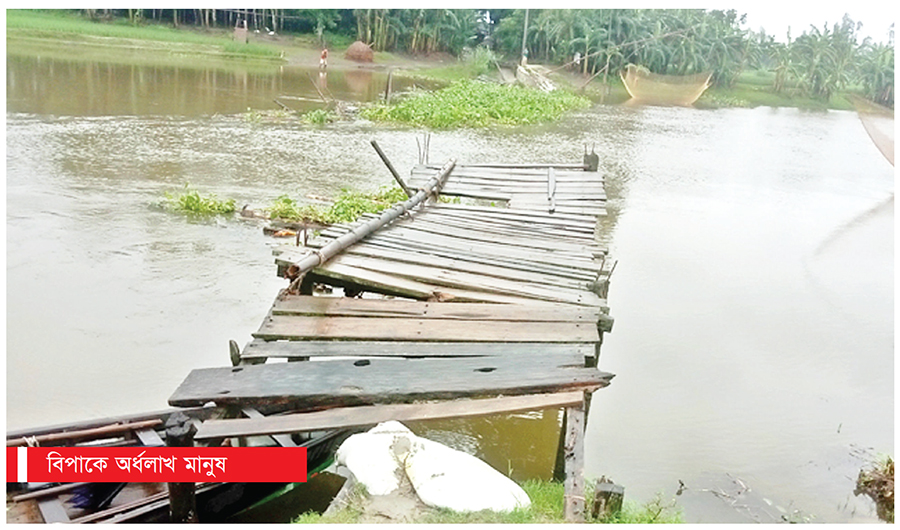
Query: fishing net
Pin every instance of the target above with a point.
(646, 86)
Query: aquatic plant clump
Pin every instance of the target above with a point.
(348, 207)
(191, 201)
(878, 483)
(476, 104)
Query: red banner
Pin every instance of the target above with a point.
(156, 464)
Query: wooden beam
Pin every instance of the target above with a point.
(573, 507)
(346, 382)
(370, 415)
(118, 428)
(300, 327)
(262, 349)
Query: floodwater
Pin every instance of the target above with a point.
(753, 342)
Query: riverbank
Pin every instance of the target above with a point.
(49, 29)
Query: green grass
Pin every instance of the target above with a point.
(190, 201)
(54, 24)
(546, 508)
(474, 104)
(345, 209)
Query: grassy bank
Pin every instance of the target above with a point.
(754, 89)
(64, 25)
(546, 508)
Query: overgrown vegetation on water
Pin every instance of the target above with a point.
(476, 104)
(877, 482)
(546, 508)
(190, 201)
(58, 23)
(347, 208)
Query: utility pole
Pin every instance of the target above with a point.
(524, 35)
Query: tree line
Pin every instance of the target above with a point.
(820, 62)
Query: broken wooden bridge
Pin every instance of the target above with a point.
(449, 310)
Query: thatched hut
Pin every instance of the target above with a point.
(360, 52)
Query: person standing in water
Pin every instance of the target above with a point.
(323, 62)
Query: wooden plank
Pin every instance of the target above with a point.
(545, 230)
(510, 262)
(315, 385)
(374, 414)
(52, 510)
(485, 232)
(379, 282)
(149, 438)
(396, 308)
(296, 327)
(460, 265)
(538, 229)
(468, 281)
(483, 248)
(259, 348)
(284, 440)
(559, 219)
(573, 505)
(448, 236)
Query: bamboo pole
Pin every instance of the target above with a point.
(319, 256)
(86, 433)
(390, 167)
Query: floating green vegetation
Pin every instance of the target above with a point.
(260, 116)
(475, 104)
(320, 117)
(347, 208)
(54, 24)
(546, 508)
(191, 201)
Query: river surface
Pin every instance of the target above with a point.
(753, 298)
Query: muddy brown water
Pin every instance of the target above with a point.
(753, 342)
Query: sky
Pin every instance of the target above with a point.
(777, 17)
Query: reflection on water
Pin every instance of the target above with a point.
(753, 335)
(68, 87)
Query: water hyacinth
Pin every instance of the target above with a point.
(476, 104)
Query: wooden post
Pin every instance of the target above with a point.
(180, 432)
(573, 509)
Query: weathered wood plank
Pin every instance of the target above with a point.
(485, 248)
(261, 349)
(52, 510)
(288, 256)
(518, 227)
(561, 219)
(459, 265)
(374, 414)
(312, 385)
(466, 281)
(482, 232)
(398, 308)
(421, 228)
(541, 229)
(284, 440)
(573, 505)
(380, 282)
(298, 327)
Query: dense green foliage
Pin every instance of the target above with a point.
(475, 104)
(190, 201)
(345, 209)
(546, 508)
(819, 63)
